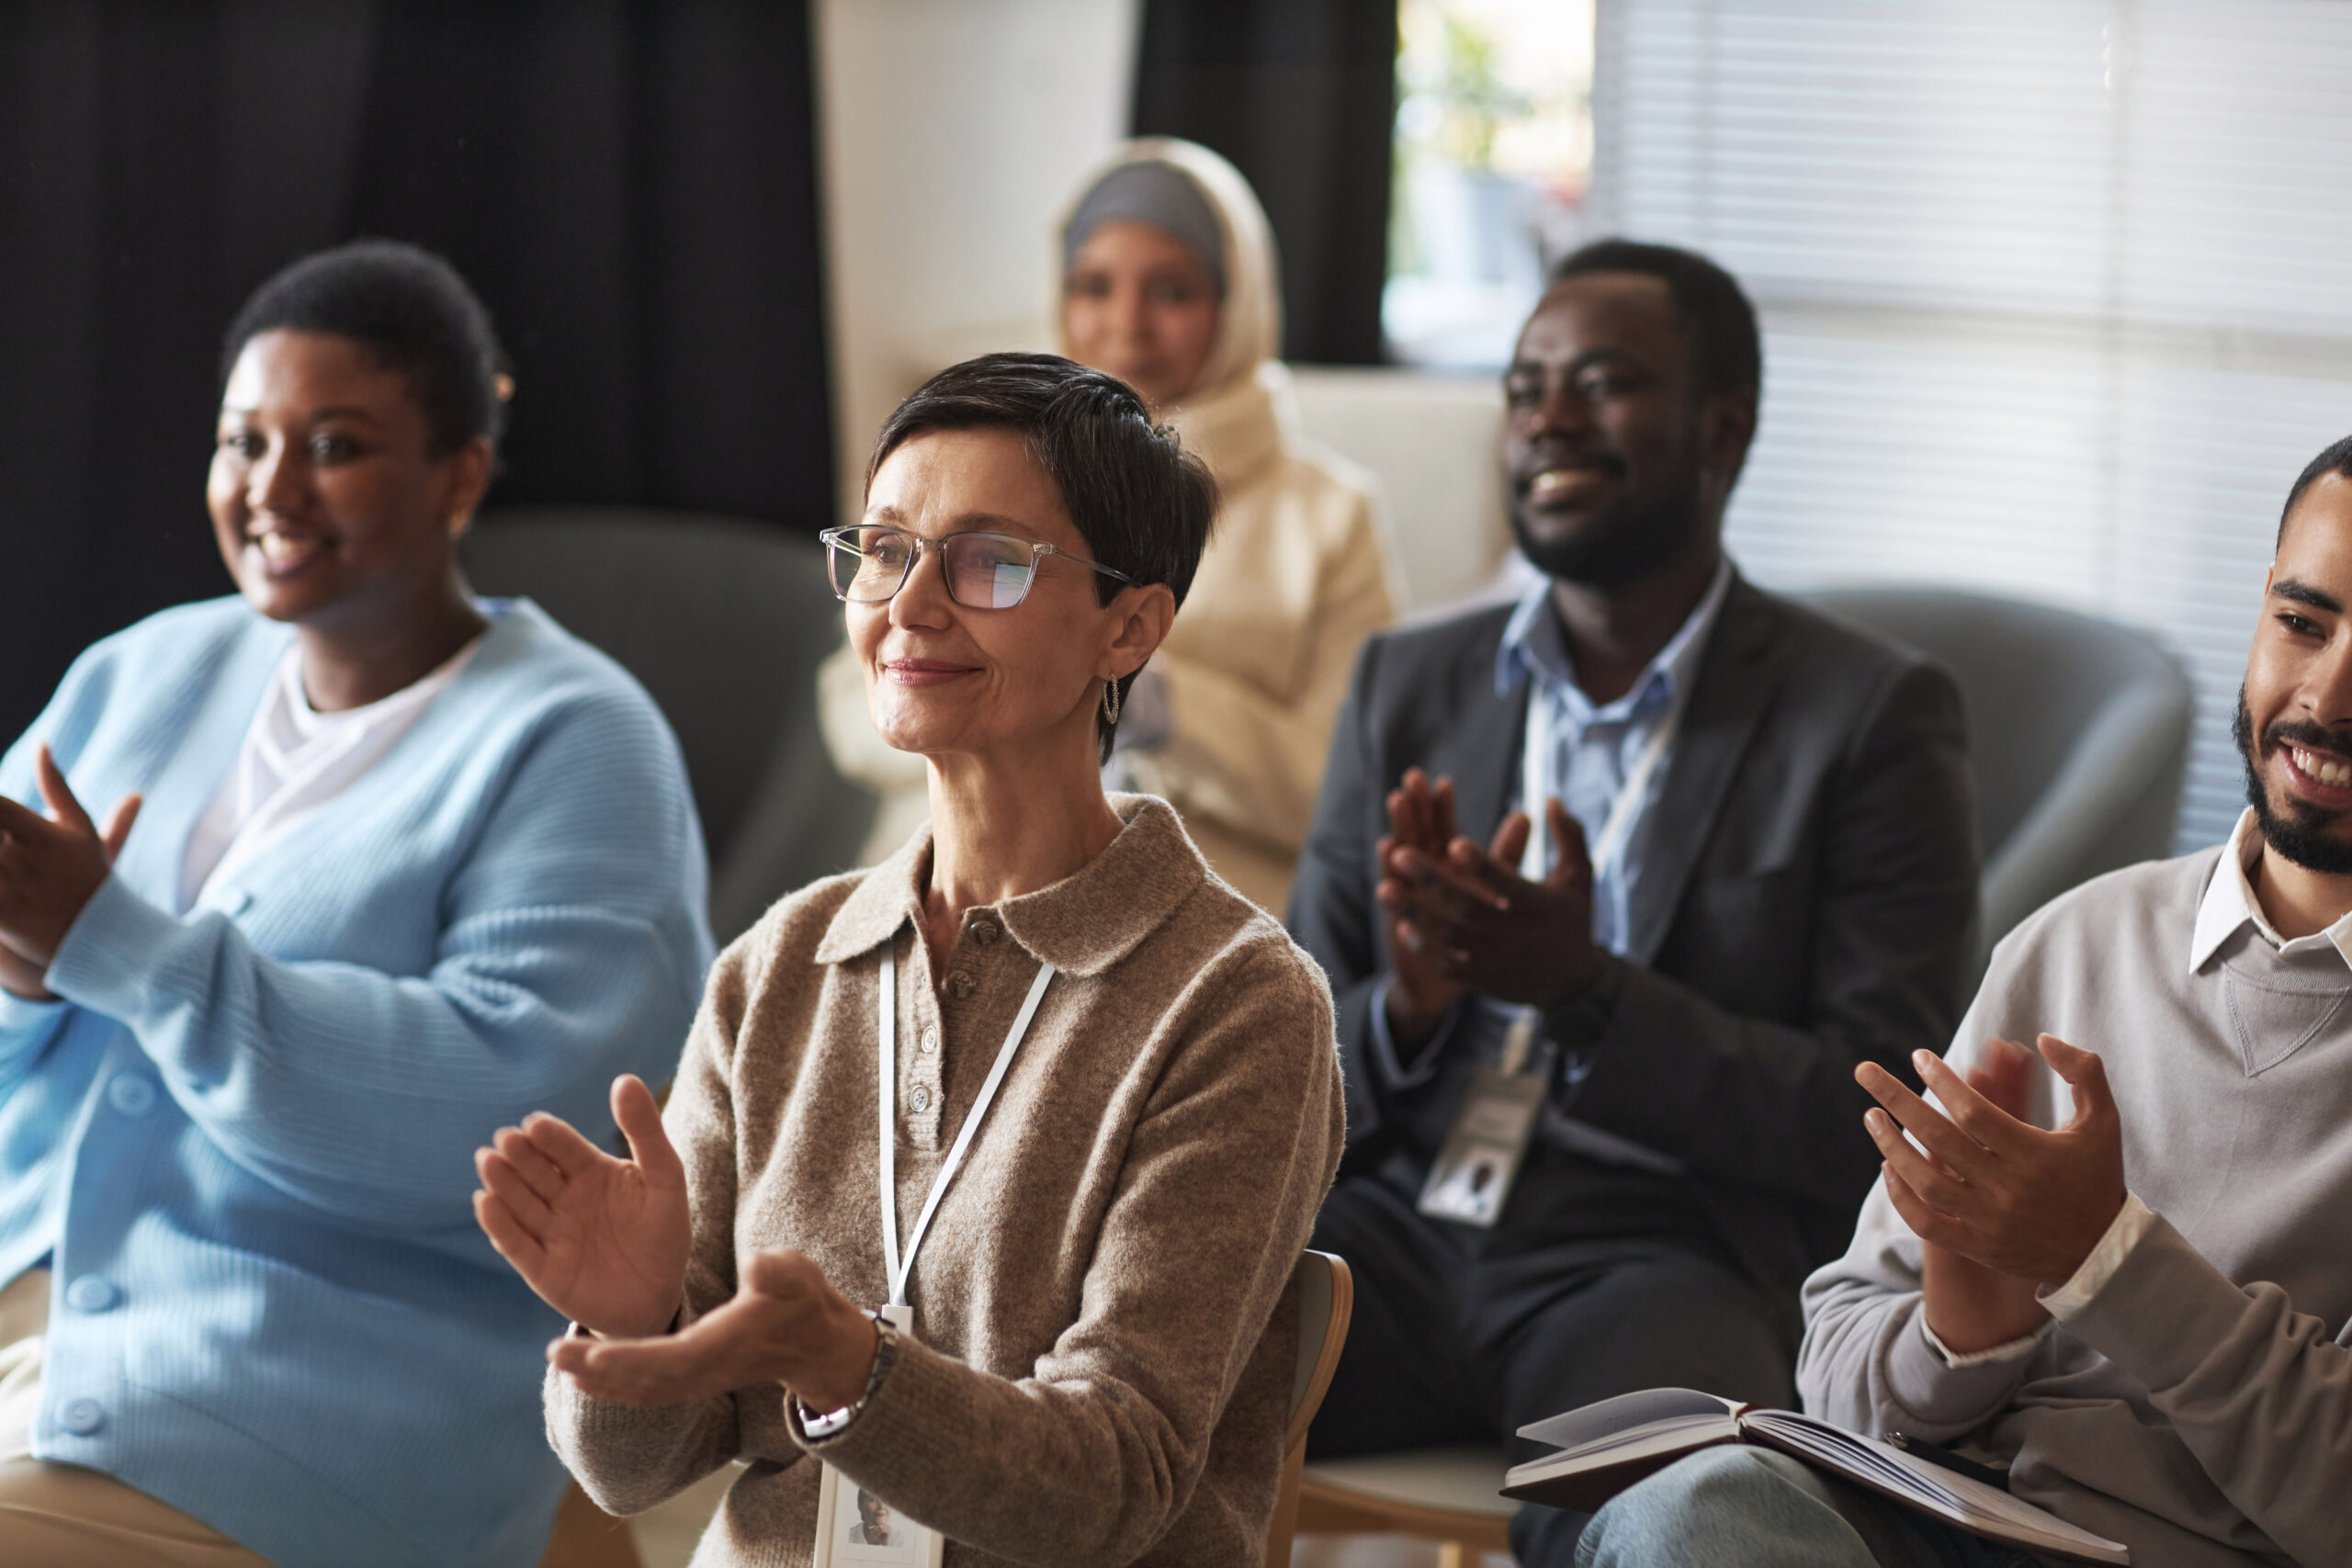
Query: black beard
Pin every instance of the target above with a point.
(2299, 833)
(1623, 545)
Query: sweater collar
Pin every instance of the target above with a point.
(2230, 905)
(1082, 925)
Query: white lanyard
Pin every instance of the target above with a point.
(897, 1271)
(1535, 761)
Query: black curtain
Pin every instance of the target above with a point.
(629, 184)
(1301, 95)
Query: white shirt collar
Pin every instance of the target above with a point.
(2230, 904)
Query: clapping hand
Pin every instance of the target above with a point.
(1421, 818)
(1992, 1190)
(603, 1241)
(1467, 917)
(784, 1325)
(50, 865)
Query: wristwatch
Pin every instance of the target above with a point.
(831, 1423)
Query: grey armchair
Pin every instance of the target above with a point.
(2077, 735)
(724, 622)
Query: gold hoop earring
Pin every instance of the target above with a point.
(1111, 700)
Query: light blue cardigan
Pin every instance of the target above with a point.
(246, 1136)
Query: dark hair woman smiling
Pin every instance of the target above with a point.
(410, 863)
(986, 1167)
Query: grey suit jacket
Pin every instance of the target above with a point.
(1807, 901)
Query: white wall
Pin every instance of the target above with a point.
(951, 133)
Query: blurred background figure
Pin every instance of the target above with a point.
(1169, 283)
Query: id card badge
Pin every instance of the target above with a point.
(854, 1525)
(1471, 1178)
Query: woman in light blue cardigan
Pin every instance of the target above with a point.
(410, 864)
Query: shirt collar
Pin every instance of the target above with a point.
(1082, 925)
(1534, 645)
(2230, 904)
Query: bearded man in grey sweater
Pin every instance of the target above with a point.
(2119, 1264)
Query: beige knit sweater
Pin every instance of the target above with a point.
(1102, 1373)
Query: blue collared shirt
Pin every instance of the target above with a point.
(1594, 745)
(1593, 748)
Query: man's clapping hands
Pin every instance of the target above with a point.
(1462, 919)
(2001, 1206)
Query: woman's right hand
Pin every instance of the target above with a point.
(603, 1241)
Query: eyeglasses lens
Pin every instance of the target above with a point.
(986, 573)
(868, 564)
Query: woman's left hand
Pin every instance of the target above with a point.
(785, 1325)
(48, 868)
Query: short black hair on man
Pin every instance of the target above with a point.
(412, 313)
(1143, 503)
(1715, 312)
(2337, 459)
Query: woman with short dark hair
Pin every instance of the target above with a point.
(410, 863)
(986, 1168)
(1167, 281)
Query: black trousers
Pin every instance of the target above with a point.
(1598, 1282)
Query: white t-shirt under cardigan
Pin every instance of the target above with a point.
(296, 759)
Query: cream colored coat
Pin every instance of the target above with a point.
(1295, 577)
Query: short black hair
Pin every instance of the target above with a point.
(411, 310)
(2337, 459)
(1717, 315)
(1144, 504)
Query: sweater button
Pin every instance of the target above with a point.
(920, 1099)
(959, 985)
(983, 933)
(81, 1416)
(91, 1294)
(130, 1094)
(928, 1041)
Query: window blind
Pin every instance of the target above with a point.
(2057, 294)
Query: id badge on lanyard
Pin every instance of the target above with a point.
(1471, 1179)
(854, 1525)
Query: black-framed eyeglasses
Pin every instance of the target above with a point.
(869, 562)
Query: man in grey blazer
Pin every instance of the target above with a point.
(1599, 1056)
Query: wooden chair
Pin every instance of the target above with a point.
(1327, 1299)
(1448, 1495)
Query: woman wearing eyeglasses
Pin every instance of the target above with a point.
(986, 1167)
(1167, 282)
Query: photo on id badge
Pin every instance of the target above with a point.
(854, 1525)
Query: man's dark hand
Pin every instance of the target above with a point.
(1471, 920)
(1421, 817)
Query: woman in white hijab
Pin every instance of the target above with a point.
(1169, 283)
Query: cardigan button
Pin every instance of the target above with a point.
(920, 1099)
(130, 1094)
(91, 1292)
(959, 985)
(983, 932)
(81, 1416)
(928, 1041)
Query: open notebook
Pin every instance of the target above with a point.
(1605, 1448)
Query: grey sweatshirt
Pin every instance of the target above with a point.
(2199, 1406)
